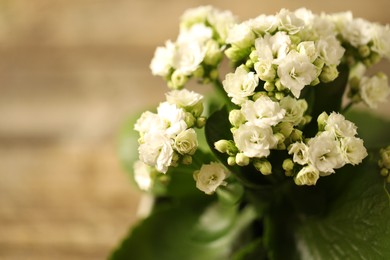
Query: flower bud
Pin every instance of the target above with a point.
(269, 86)
(186, 160)
(226, 146)
(288, 165)
(279, 95)
(285, 128)
(279, 85)
(329, 73)
(321, 120)
(259, 94)
(213, 53)
(308, 175)
(296, 135)
(189, 119)
(231, 160)
(364, 51)
(384, 161)
(200, 122)
(186, 142)
(265, 70)
(242, 160)
(178, 80)
(236, 118)
(263, 166)
(199, 72)
(197, 109)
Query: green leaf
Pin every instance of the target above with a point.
(188, 231)
(357, 225)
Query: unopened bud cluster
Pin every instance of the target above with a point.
(384, 162)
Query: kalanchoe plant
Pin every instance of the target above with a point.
(276, 165)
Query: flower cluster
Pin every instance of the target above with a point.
(168, 136)
(198, 48)
(334, 146)
(279, 61)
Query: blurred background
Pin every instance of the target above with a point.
(71, 72)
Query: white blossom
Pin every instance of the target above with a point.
(241, 35)
(262, 112)
(254, 141)
(265, 70)
(162, 59)
(308, 175)
(374, 90)
(381, 39)
(156, 150)
(142, 175)
(295, 72)
(330, 50)
(264, 24)
(240, 85)
(289, 21)
(295, 109)
(173, 118)
(300, 153)
(274, 47)
(149, 122)
(183, 98)
(188, 56)
(222, 21)
(308, 49)
(339, 126)
(324, 153)
(186, 142)
(353, 150)
(210, 177)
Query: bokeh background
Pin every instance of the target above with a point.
(71, 72)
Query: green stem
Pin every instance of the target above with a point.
(347, 107)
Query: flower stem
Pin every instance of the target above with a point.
(347, 107)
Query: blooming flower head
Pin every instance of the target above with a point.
(210, 177)
(339, 126)
(308, 175)
(262, 112)
(374, 90)
(240, 85)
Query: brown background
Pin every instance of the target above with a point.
(70, 73)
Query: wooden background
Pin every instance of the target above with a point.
(70, 73)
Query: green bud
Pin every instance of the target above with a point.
(197, 109)
(214, 74)
(316, 81)
(321, 120)
(279, 95)
(189, 119)
(269, 86)
(253, 56)
(285, 128)
(226, 146)
(319, 63)
(384, 172)
(236, 118)
(329, 73)
(384, 161)
(259, 94)
(231, 160)
(288, 165)
(199, 72)
(279, 85)
(213, 53)
(186, 160)
(375, 57)
(200, 122)
(242, 160)
(263, 166)
(249, 64)
(296, 135)
(364, 51)
(178, 80)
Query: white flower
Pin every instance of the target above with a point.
(264, 24)
(262, 112)
(308, 175)
(240, 85)
(148, 122)
(156, 151)
(265, 70)
(381, 39)
(188, 56)
(241, 35)
(339, 126)
(173, 118)
(330, 50)
(355, 31)
(198, 32)
(309, 49)
(195, 15)
(353, 150)
(273, 47)
(300, 151)
(295, 109)
(186, 142)
(374, 90)
(295, 72)
(254, 141)
(289, 21)
(183, 98)
(324, 153)
(142, 175)
(222, 21)
(210, 177)
(162, 59)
